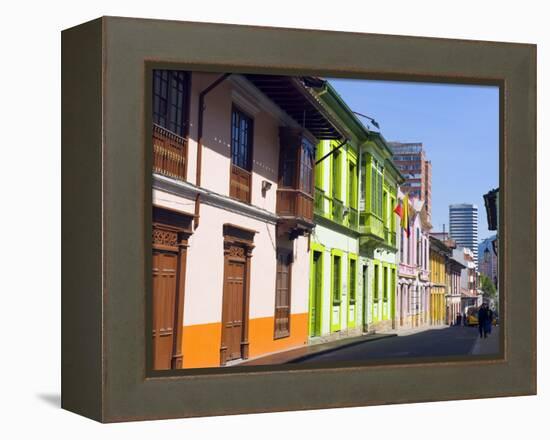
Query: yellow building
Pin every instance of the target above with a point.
(439, 253)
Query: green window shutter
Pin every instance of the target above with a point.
(336, 278)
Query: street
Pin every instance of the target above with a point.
(450, 341)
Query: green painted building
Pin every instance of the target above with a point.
(353, 272)
(379, 181)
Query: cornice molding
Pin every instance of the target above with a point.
(190, 191)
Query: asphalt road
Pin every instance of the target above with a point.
(450, 341)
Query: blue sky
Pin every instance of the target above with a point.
(458, 125)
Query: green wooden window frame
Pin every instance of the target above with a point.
(352, 183)
(352, 279)
(319, 168)
(375, 282)
(385, 208)
(377, 185)
(336, 278)
(336, 174)
(363, 190)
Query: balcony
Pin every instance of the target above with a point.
(240, 183)
(169, 153)
(337, 210)
(353, 218)
(295, 204)
(322, 203)
(408, 271)
(371, 229)
(424, 275)
(370, 224)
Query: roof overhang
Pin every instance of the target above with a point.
(292, 95)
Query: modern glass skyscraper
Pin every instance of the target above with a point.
(463, 226)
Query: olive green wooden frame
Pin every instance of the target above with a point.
(106, 196)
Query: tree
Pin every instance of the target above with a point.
(487, 286)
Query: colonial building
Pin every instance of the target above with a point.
(378, 227)
(439, 254)
(470, 296)
(413, 289)
(353, 258)
(233, 177)
(336, 303)
(453, 296)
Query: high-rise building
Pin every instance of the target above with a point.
(463, 226)
(410, 159)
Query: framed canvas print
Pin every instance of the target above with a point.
(264, 219)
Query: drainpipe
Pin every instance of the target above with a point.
(202, 95)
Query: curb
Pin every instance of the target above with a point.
(330, 350)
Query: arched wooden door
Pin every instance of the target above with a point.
(165, 273)
(238, 245)
(171, 231)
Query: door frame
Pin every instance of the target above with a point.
(170, 233)
(316, 247)
(365, 294)
(333, 254)
(352, 323)
(234, 238)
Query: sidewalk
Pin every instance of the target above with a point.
(414, 330)
(489, 345)
(307, 351)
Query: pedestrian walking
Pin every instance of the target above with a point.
(482, 316)
(464, 320)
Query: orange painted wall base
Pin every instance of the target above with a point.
(262, 330)
(201, 342)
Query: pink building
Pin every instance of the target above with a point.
(413, 286)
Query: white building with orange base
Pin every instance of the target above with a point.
(232, 213)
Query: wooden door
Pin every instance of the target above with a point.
(282, 294)
(317, 286)
(233, 305)
(165, 266)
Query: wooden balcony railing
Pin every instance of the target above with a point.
(353, 218)
(337, 210)
(323, 203)
(370, 224)
(169, 153)
(294, 203)
(241, 181)
(319, 201)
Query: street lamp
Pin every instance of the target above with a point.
(369, 118)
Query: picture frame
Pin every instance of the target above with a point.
(106, 206)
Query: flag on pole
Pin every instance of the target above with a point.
(405, 215)
(399, 208)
